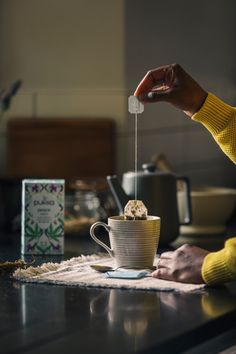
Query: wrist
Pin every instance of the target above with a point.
(198, 102)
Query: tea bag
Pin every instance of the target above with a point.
(135, 210)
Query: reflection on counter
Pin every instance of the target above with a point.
(137, 312)
(133, 312)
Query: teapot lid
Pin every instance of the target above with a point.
(148, 169)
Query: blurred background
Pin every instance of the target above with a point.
(83, 58)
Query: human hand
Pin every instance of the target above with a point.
(182, 265)
(172, 84)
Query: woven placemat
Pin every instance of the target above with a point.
(77, 272)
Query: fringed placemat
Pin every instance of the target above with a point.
(77, 272)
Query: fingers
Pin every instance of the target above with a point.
(164, 261)
(146, 85)
(163, 273)
(162, 94)
(166, 255)
(165, 269)
(154, 78)
(184, 264)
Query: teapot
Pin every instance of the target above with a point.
(158, 191)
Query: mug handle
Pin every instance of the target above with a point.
(92, 234)
(187, 198)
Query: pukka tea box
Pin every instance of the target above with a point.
(42, 225)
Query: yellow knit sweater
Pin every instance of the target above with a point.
(220, 119)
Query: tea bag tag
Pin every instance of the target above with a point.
(134, 274)
(134, 105)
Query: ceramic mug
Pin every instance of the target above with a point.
(133, 243)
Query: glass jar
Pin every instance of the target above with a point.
(86, 202)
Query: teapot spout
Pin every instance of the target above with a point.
(121, 198)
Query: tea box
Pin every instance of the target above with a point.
(42, 225)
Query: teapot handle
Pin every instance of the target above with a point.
(185, 185)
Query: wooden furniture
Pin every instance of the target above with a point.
(67, 148)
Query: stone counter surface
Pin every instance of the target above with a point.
(39, 318)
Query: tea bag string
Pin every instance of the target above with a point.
(135, 107)
(136, 157)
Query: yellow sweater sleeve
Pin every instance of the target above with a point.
(220, 267)
(220, 120)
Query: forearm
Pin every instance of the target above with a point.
(220, 267)
(220, 120)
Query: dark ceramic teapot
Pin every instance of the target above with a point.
(158, 191)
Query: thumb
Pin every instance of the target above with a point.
(155, 96)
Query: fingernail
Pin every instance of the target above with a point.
(150, 95)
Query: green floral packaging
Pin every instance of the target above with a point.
(42, 229)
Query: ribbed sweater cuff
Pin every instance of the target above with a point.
(214, 114)
(215, 270)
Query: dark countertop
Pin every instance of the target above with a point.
(39, 318)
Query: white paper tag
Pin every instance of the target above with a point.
(127, 274)
(134, 105)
